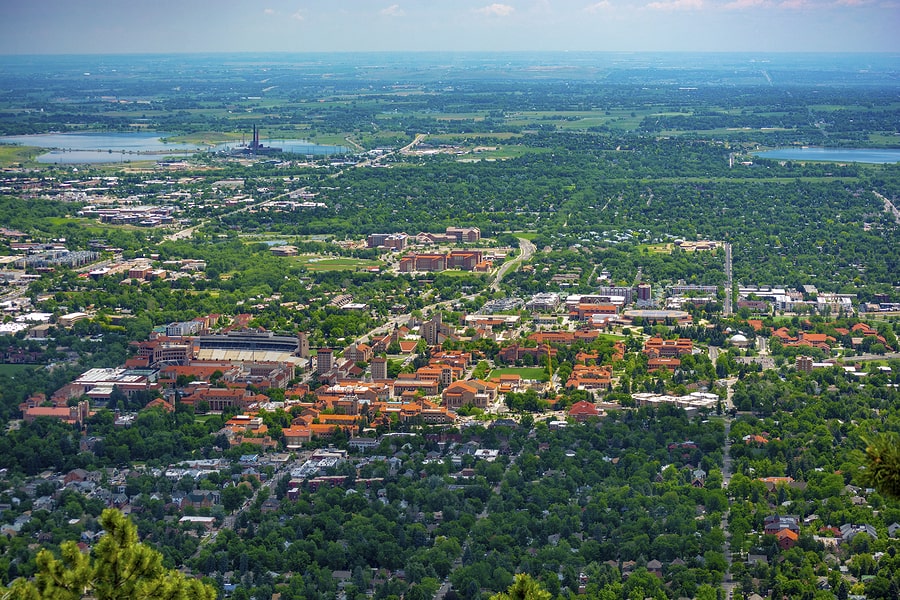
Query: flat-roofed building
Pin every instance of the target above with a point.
(379, 368)
(324, 360)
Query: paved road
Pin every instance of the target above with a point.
(729, 282)
(727, 584)
(527, 251)
(864, 357)
(889, 206)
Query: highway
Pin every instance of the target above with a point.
(527, 251)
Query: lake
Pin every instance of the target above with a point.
(95, 148)
(861, 155)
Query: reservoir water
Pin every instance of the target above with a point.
(861, 155)
(91, 147)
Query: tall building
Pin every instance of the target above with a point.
(644, 292)
(302, 345)
(379, 368)
(619, 290)
(435, 331)
(324, 360)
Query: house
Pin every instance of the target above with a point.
(772, 483)
(363, 443)
(850, 531)
(787, 539)
(755, 439)
(201, 499)
(75, 475)
(583, 411)
(776, 523)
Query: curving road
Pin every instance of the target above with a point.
(527, 251)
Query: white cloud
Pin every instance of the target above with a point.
(672, 5)
(598, 7)
(393, 10)
(269, 11)
(496, 10)
(298, 16)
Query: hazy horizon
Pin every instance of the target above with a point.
(357, 26)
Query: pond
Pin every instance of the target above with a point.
(95, 147)
(861, 155)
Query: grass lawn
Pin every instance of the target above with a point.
(611, 336)
(16, 369)
(657, 248)
(503, 153)
(523, 372)
(316, 263)
(456, 138)
(14, 155)
(204, 418)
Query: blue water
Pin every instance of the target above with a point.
(95, 148)
(862, 155)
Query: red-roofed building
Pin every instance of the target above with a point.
(663, 363)
(784, 335)
(582, 411)
(160, 403)
(584, 312)
(219, 398)
(656, 347)
(787, 539)
(73, 415)
(584, 377)
(474, 391)
(358, 352)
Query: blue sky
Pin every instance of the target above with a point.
(122, 26)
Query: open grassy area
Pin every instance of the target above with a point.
(17, 155)
(10, 370)
(459, 138)
(503, 153)
(658, 248)
(317, 263)
(891, 140)
(91, 225)
(610, 336)
(204, 418)
(523, 372)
